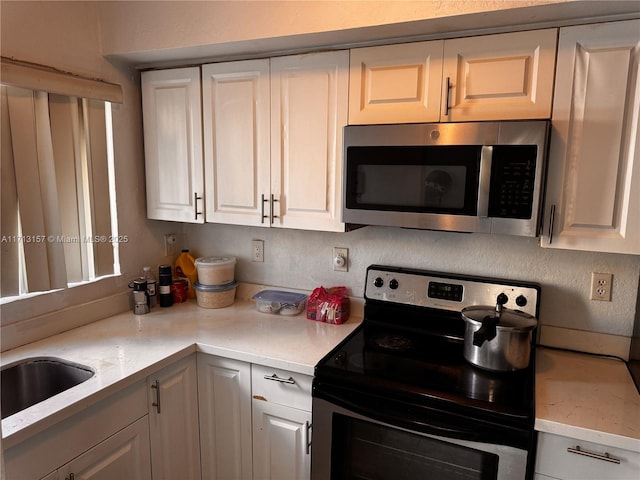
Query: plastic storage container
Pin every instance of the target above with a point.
(280, 302)
(216, 270)
(215, 296)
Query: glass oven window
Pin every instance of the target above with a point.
(364, 450)
(424, 179)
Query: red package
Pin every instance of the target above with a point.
(329, 305)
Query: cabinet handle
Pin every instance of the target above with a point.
(70, 477)
(271, 215)
(447, 107)
(276, 378)
(307, 437)
(604, 456)
(156, 387)
(196, 197)
(552, 216)
(271, 201)
(262, 202)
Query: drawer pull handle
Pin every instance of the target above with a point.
(604, 456)
(276, 378)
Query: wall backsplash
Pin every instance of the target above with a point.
(303, 259)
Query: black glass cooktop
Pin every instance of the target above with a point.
(424, 367)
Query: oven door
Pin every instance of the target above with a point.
(349, 445)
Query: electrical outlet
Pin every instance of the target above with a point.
(257, 250)
(601, 284)
(170, 242)
(340, 259)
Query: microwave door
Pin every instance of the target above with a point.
(428, 187)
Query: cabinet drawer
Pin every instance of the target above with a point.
(555, 460)
(281, 386)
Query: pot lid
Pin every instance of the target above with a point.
(512, 320)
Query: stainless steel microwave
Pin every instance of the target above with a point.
(467, 177)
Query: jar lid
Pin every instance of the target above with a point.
(215, 261)
(279, 296)
(215, 288)
(165, 269)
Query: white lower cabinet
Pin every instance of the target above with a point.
(564, 458)
(123, 455)
(281, 442)
(107, 440)
(281, 424)
(224, 392)
(202, 417)
(255, 422)
(173, 421)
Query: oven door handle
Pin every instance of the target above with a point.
(407, 421)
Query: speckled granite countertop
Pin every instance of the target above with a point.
(125, 348)
(588, 398)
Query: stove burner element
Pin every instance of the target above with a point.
(393, 342)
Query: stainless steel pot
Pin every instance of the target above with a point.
(497, 338)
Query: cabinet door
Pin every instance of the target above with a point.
(309, 98)
(173, 421)
(173, 144)
(395, 83)
(281, 442)
(571, 459)
(495, 77)
(124, 455)
(593, 182)
(224, 392)
(236, 109)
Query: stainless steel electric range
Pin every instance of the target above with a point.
(397, 400)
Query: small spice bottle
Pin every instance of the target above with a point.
(165, 279)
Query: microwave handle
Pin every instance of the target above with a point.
(484, 181)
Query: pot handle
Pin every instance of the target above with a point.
(487, 330)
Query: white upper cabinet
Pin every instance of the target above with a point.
(396, 83)
(173, 144)
(309, 104)
(593, 186)
(492, 77)
(273, 140)
(236, 115)
(498, 77)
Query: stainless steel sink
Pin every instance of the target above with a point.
(35, 379)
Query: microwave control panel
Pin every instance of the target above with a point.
(513, 174)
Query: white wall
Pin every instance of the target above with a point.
(74, 35)
(299, 259)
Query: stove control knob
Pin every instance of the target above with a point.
(502, 299)
(378, 282)
(521, 300)
(393, 284)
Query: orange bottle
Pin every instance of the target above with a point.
(186, 268)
